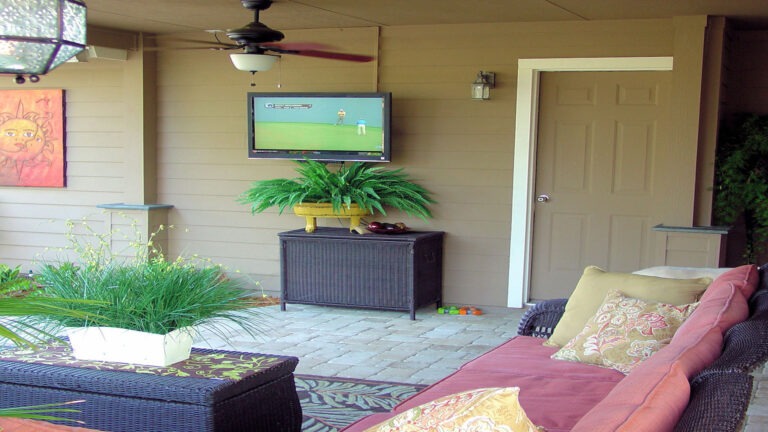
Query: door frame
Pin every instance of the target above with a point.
(523, 175)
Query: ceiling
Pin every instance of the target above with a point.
(177, 16)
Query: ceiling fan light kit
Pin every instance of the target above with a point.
(257, 40)
(258, 46)
(251, 62)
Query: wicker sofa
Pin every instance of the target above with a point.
(563, 396)
(720, 394)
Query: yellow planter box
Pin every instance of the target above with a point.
(312, 211)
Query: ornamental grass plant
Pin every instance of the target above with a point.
(144, 291)
(370, 186)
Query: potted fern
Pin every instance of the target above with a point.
(353, 191)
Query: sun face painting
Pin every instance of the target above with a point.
(32, 138)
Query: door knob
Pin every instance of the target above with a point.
(542, 198)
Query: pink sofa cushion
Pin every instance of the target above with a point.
(523, 355)
(722, 306)
(655, 394)
(745, 278)
(554, 394)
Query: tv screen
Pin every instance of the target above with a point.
(319, 126)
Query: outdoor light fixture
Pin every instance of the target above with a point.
(38, 35)
(253, 62)
(481, 88)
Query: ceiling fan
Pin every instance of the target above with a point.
(261, 45)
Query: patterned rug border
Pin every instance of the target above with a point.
(357, 380)
(331, 403)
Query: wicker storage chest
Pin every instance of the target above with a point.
(337, 268)
(262, 399)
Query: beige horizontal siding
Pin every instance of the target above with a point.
(460, 149)
(32, 219)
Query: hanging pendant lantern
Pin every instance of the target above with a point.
(38, 35)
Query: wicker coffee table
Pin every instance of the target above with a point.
(212, 391)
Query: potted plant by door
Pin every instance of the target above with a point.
(353, 191)
(142, 308)
(741, 193)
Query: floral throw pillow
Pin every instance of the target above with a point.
(624, 332)
(493, 409)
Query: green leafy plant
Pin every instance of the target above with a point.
(21, 300)
(144, 291)
(370, 186)
(42, 412)
(8, 274)
(742, 181)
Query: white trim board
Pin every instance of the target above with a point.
(528, 71)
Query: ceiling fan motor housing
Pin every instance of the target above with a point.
(256, 4)
(257, 38)
(254, 33)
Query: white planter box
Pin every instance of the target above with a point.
(129, 346)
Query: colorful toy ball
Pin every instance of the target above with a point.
(464, 310)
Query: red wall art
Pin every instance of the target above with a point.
(32, 138)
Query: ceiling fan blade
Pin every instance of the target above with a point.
(329, 55)
(179, 43)
(189, 40)
(294, 46)
(181, 48)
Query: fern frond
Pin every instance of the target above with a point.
(371, 187)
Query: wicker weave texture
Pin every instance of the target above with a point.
(745, 347)
(329, 271)
(719, 403)
(540, 319)
(333, 267)
(124, 401)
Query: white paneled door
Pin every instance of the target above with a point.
(599, 135)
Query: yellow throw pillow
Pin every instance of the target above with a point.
(624, 332)
(594, 285)
(485, 409)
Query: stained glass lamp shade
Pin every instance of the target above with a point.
(39, 35)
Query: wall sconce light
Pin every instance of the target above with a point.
(481, 88)
(37, 36)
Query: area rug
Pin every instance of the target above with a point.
(329, 403)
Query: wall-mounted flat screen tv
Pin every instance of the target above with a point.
(319, 126)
